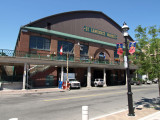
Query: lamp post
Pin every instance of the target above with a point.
(129, 93)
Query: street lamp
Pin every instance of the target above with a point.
(129, 93)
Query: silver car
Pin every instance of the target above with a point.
(98, 82)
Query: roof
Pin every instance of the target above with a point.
(65, 35)
(79, 11)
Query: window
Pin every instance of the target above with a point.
(115, 54)
(84, 52)
(37, 42)
(101, 56)
(67, 46)
(84, 49)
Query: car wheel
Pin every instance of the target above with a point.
(95, 84)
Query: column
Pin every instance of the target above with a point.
(104, 76)
(24, 76)
(89, 77)
(62, 73)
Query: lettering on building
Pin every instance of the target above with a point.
(99, 32)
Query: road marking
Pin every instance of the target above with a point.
(82, 96)
(93, 95)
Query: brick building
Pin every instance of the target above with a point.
(89, 37)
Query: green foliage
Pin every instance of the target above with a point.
(2, 54)
(148, 56)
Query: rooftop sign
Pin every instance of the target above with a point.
(99, 32)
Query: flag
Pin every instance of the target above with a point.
(104, 55)
(119, 48)
(132, 47)
(61, 50)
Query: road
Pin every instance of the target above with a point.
(67, 105)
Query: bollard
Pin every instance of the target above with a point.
(13, 119)
(85, 113)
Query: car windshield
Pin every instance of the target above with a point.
(72, 79)
(101, 79)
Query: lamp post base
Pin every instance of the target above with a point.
(131, 114)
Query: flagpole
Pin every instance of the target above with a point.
(67, 71)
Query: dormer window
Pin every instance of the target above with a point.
(48, 25)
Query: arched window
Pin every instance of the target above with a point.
(101, 56)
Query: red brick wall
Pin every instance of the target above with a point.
(94, 49)
(54, 46)
(80, 72)
(40, 78)
(23, 42)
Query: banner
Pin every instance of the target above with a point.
(132, 47)
(61, 50)
(119, 48)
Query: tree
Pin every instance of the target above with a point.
(148, 54)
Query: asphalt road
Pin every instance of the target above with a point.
(68, 105)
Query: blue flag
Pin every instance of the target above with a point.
(119, 48)
(132, 47)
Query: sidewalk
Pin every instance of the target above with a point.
(144, 114)
(33, 91)
(146, 109)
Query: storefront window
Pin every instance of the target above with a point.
(37, 42)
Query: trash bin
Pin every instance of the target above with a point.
(60, 85)
(64, 85)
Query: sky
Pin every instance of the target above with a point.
(16, 13)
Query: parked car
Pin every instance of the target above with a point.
(155, 80)
(148, 82)
(138, 82)
(98, 82)
(133, 82)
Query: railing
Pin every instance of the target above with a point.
(58, 57)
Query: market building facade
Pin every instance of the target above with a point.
(88, 37)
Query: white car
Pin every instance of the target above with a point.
(74, 83)
(155, 80)
(98, 82)
(148, 82)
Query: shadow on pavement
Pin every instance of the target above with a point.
(149, 103)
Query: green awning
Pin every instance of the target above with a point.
(65, 35)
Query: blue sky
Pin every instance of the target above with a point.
(16, 13)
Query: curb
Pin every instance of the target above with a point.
(108, 114)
